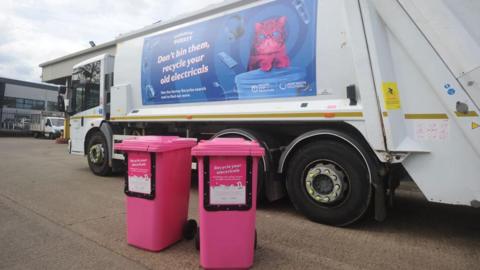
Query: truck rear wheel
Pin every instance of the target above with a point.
(329, 183)
(97, 155)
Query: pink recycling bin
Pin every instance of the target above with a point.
(227, 202)
(157, 186)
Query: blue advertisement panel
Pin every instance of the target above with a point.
(262, 52)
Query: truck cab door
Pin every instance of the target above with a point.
(86, 107)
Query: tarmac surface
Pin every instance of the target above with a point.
(55, 214)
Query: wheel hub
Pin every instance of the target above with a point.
(96, 154)
(324, 183)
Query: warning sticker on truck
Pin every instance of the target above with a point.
(267, 51)
(391, 96)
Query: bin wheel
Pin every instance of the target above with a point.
(197, 239)
(189, 229)
(255, 245)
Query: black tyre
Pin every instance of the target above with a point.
(329, 183)
(97, 155)
(262, 176)
(35, 134)
(197, 239)
(189, 229)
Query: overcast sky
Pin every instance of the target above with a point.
(35, 31)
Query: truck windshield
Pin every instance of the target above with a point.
(57, 122)
(85, 87)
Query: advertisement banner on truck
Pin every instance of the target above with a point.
(267, 51)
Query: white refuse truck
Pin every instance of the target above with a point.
(347, 97)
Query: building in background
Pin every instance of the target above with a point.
(19, 100)
(59, 71)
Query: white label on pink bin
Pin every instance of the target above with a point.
(227, 181)
(140, 184)
(139, 173)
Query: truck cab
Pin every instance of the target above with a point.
(88, 99)
(54, 126)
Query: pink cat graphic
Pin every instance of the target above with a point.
(268, 50)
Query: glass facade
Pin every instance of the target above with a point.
(52, 106)
(23, 103)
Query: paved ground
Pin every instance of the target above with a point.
(54, 214)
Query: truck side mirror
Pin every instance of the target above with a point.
(62, 90)
(60, 103)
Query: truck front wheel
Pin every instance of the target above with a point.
(329, 183)
(97, 155)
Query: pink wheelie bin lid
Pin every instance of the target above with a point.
(155, 143)
(228, 147)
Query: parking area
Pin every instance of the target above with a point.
(55, 214)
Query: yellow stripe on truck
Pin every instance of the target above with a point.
(249, 116)
(469, 114)
(86, 117)
(425, 116)
(413, 116)
(420, 116)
